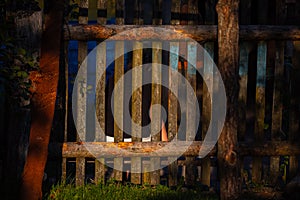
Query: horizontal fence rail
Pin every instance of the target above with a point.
(196, 32)
(147, 149)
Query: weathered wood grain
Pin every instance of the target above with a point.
(191, 124)
(137, 110)
(228, 153)
(156, 115)
(277, 105)
(118, 104)
(102, 11)
(260, 106)
(198, 33)
(172, 108)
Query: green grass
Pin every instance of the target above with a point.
(118, 191)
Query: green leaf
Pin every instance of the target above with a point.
(266, 126)
(22, 51)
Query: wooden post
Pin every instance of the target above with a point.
(228, 40)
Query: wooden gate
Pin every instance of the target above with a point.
(268, 113)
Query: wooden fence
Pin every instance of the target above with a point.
(268, 107)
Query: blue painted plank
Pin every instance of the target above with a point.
(261, 64)
(192, 58)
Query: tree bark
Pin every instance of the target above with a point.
(228, 155)
(44, 85)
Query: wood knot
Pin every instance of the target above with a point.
(231, 158)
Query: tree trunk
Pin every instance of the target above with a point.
(228, 38)
(45, 85)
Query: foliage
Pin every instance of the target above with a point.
(15, 66)
(115, 190)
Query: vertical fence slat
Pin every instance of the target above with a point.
(175, 12)
(260, 107)
(208, 72)
(172, 104)
(102, 11)
(111, 11)
(129, 11)
(81, 105)
(80, 171)
(294, 109)
(156, 116)
(83, 12)
(100, 91)
(147, 6)
(193, 12)
(64, 169)
(136, 162)
(82, 53)
(206, 107)
(99, 170)
(243, 72)
(120, 12)
(146, 173)
(100, 108)
(118, 107)
(138, 12)
(245, 12)
(93, 10)
(166, 11)
(157, 10)
(64, 160)
(190, 118)
(277, 106)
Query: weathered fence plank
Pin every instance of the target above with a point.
(137, 110)
(191, 124)
(102, 12)
(243, 73)
(118, 104)
(277, 105)
(175, 12)
(119, 12)
(207, 105)
(81, 105)
(80, 171)
(100, 108)
(172, 107)
(294, 107)
(111, 11)
(147, 149)
(198, 33)
(260, 107)
(64, 160)
(156, 115)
